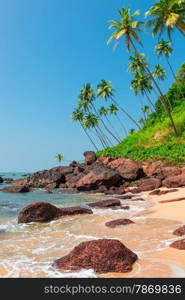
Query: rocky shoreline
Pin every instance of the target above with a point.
(102, 175)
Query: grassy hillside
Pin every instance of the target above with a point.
(156, 140)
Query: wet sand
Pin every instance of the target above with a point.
(29, 250)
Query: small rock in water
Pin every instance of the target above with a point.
(105, 203)
(119, 222)
(138, 199)
(126, 197)
(67, 211)
(126, 207)
(38, 212)
(16, 189)
(103, 256)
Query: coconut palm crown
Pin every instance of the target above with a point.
(105, 89)
(167, 15)
(128, 27)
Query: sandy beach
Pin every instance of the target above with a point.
(171, 211)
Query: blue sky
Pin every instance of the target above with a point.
(48, 50)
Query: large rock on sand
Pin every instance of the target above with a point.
(102, 256)
(1, 179)
(97, 175)
(174, 181)
(45, 212)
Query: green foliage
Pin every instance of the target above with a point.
(170, 151)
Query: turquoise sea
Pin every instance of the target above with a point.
(12, 203)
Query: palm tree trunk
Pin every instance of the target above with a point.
(122, 125)
(99, 135)
(149, 101)
(92, 142)
(168, 111)
(106, 139)
(104, 125)
(125, 112)
(181, 31)
(173, 73)
(113, 128)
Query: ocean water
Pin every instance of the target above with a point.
(28, 250)
(12, 203)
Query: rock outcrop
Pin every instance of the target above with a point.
(102, 256)
(97, 175)
(106, 175)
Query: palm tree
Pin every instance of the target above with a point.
(87, 98)
(159, 72)
(167, 15)
(127, 27)
(77, 116)
(59, 157)
(164, 49)
(103, 111)
(106, 91)
(141, 84)
(113, 110)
